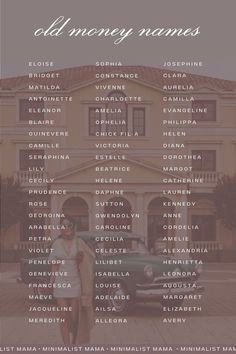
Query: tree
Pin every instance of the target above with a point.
(225, 201)
(13, 202)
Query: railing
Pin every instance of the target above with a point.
(209, 245)
(23, 177)
(210, 177)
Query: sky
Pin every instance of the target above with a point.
(215, 46)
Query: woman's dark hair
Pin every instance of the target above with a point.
(69, 218)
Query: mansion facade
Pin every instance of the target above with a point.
(142, 143)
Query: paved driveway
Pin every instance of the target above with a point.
(214, 325)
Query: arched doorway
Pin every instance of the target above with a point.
(118, 206)
(78, 209)
(156, 220)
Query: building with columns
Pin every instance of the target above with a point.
(150, 131)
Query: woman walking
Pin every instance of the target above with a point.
(72, 281)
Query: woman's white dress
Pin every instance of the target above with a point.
(69, 267)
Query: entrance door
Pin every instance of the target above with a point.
(156, 221)
(78, 209)
(124, 207)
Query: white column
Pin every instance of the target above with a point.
(182, 235)
(92, 212)
(55, 209)
(140, 224)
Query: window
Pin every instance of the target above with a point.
(94, 118)
(139, 121)
(25, 105)
(207, 228)
(24, 161)
(207, 161)
(209, 115)
(117, 117)
(81, 222)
